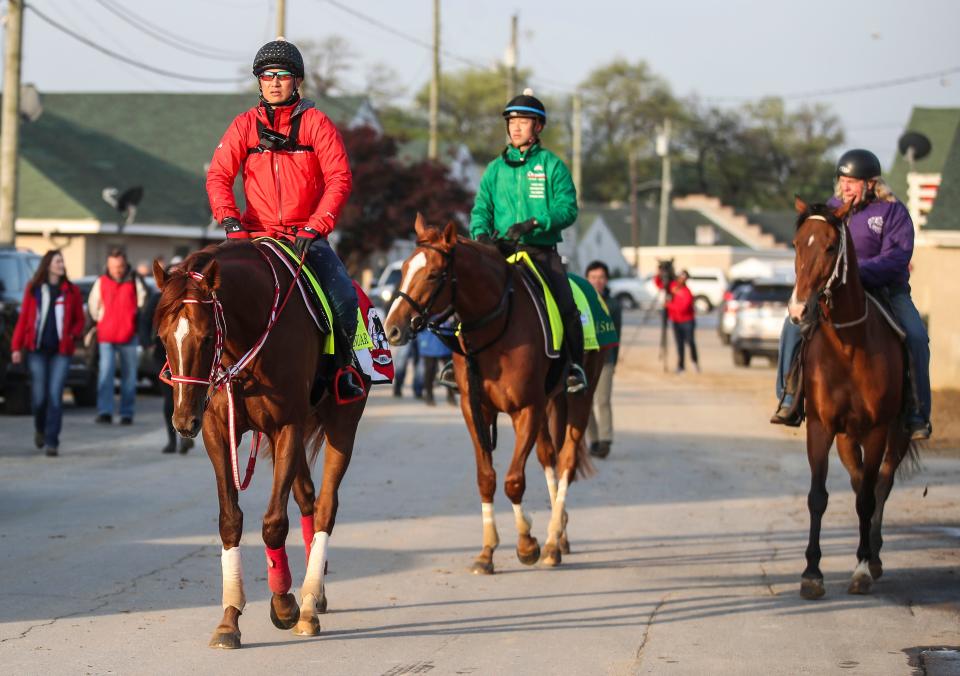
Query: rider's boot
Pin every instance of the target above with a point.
(446, 377)
(790, 409)
(347, 383)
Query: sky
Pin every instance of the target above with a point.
(725, 51)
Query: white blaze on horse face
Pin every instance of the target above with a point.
(811, 240)
(490, 536)
(183, 328)
(794, 307)
(524, 522)
(414, 265)
(312, 590)
(232, 579)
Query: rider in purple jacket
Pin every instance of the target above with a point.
(882, 233)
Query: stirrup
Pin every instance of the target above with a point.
(446, 377)
(576, 379)
(345, 388)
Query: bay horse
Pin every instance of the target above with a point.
(853, 379)
(501, 332)
(211, 317)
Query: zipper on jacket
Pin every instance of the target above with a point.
(276, 178)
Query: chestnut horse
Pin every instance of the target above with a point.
(500, 330)
(214, 312)
(853, 379)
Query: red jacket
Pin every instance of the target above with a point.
(680, 306)
(69, 320)
(288, 192)
(117, 322)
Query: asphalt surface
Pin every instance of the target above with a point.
(687, 550)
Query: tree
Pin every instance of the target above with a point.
(326, 62)
(387, 195)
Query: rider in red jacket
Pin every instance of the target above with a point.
(296, 179)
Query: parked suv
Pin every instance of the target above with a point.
(634, 292)
(382, 293)
(16, 269)
(707, 286)
(762, 306)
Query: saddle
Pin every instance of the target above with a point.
(547, 310)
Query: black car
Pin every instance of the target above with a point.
(16, 269)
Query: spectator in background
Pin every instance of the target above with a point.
(403, 357)
(432, 351)
(681, 313)
(49, 326)
(114, 302)
(600, 428)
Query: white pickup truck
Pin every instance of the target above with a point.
(706, 284)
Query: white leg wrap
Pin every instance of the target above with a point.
(551, 483)
(556, 516)
(490, 537)
(232, 579)
(313, 580)
(524, 522)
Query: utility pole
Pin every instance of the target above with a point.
(432, 149)
(281, 17)
(577, 147)
(511, 60)
(10, 126)
(634, 208)
(663, 150)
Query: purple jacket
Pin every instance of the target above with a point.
(883, 239)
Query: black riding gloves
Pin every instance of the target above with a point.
(518, 230)
(486, 239)
(231, 226)
(301, 244)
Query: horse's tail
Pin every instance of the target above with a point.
(585, 467)
(314, 436)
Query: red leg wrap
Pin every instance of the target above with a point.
(278, 570)
(306, 524)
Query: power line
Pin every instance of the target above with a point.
(850, 89)
(125, 59)
(166, 37)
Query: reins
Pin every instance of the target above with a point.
(840, 269)
(222, 377)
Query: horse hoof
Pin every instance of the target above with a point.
(551, 557)
(530, 558)
(564, 544)
(228, 640)
(860, 584)
(811, 588)
(309, 627)
(876, 570)
(322, 604)
(481, 567)
(285, 622)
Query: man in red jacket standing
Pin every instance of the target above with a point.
(296, 179)
(115, 299)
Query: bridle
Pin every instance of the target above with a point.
(433, 321)
(839, 275)
(221, 376)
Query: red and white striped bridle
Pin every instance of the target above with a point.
(221, 376)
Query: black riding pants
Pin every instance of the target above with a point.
(551, 265)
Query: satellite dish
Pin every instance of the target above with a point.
(914, 146)
(30, 107)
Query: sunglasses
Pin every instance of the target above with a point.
(282, 75)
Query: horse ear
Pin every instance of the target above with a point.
(842, 211)
(159, 274)
(450, 233)
(211, 276)
(799, 204)
(420, 226)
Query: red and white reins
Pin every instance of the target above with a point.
(222, 376)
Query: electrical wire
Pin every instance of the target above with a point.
(126, 59)
(170, 39)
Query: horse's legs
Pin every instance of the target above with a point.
(287, 458)
(884, 485)
(341, 432)
(528, 423)
(557, 426)
(303, 494)
(851, 456)
(487, 487)
(819, 440)
(874, 446)
(227, 633)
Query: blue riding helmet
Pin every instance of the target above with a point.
(526, 105)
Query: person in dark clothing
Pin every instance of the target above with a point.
(48, 328)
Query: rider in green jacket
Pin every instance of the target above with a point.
(527, 194)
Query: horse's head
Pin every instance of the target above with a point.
(188, 325)
(821, 251)
(426, 287)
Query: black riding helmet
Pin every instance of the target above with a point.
(526, 105)
(279, 54)
(860, 164)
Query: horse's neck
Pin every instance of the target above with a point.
(246, 293)
(849, 301)
(487, 275)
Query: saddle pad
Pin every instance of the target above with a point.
(885, 313)
(376, 359)
(553, 312)
(594, 313)
(534, 290)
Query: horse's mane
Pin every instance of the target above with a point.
(822, 210)
(176, 285)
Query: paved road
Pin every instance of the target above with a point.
(688, 547)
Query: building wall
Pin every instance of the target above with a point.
(935, 292)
